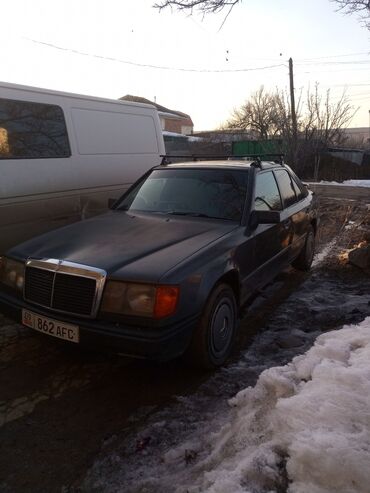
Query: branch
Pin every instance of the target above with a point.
(205, 6)
(361, 7)
(353, 6)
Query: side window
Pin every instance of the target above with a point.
(286, 188)
(266, 196)
(298, 191)
(32, 130)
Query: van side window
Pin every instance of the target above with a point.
(266, 195)
(32, 130)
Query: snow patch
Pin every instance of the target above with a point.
(305, 425)
(348, 183)
(321, 256)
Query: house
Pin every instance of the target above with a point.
(357, 136)
(171, 120)
(227, 135)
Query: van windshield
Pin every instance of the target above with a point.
(212, 193)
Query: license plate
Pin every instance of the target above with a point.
(51, 327)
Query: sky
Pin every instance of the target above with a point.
(186, 62)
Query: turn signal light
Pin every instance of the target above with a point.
(165, 301)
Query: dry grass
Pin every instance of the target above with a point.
(346, 220)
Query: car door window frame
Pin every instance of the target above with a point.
(301, 195)
(277, 188)
(297, 200)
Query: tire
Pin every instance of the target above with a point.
(305, 258)
(213, 338)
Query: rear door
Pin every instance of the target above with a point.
(271, 241)
(294, 215)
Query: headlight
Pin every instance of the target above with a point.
(144, 300)
(12, 273)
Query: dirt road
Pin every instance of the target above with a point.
(341, 191)
(61, 409)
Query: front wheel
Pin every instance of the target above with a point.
(213, 338)
(305, 258)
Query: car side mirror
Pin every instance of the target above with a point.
(308, 188)
(263, 217)
(111, 202)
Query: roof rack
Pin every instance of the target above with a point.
(256, 158)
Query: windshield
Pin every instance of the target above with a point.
(218, 194)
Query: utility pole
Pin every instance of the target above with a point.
(294, 115)
(292, 104)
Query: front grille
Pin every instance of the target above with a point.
(59, 291)
(39, 285)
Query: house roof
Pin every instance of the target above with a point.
(160, 108)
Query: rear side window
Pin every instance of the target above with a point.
(298, 191)
(286, 188)
(266, 196)
(32, 130)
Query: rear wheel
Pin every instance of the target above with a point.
(305, 258)
(213, 338)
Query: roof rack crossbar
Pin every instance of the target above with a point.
(196, 157)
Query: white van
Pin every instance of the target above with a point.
(62, 156)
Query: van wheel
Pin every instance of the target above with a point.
(213, 338)
(305, 258)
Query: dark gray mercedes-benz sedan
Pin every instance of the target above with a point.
(166, 271)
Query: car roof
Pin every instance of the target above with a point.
(224, 163)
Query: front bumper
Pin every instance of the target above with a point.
(160, 344)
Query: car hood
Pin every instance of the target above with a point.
(133, 246)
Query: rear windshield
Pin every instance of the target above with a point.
(218, 194)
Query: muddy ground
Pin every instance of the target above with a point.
(62, 410)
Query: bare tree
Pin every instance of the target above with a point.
(322, 125)
(354, 6)
(205, 6)
(320, 122)
(361, 7)
(208, 6)
(258, 114)
(324, 120)
(268, 115)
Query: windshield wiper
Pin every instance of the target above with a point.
(176, 213)
(195, 214)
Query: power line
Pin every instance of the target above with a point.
(331, 71)
(331, 86)
(334, 56)
(350, 98)
(360, 96)
(355, 62)
(146, 65)
(349, 85)
(307, 61)
(313, 59)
